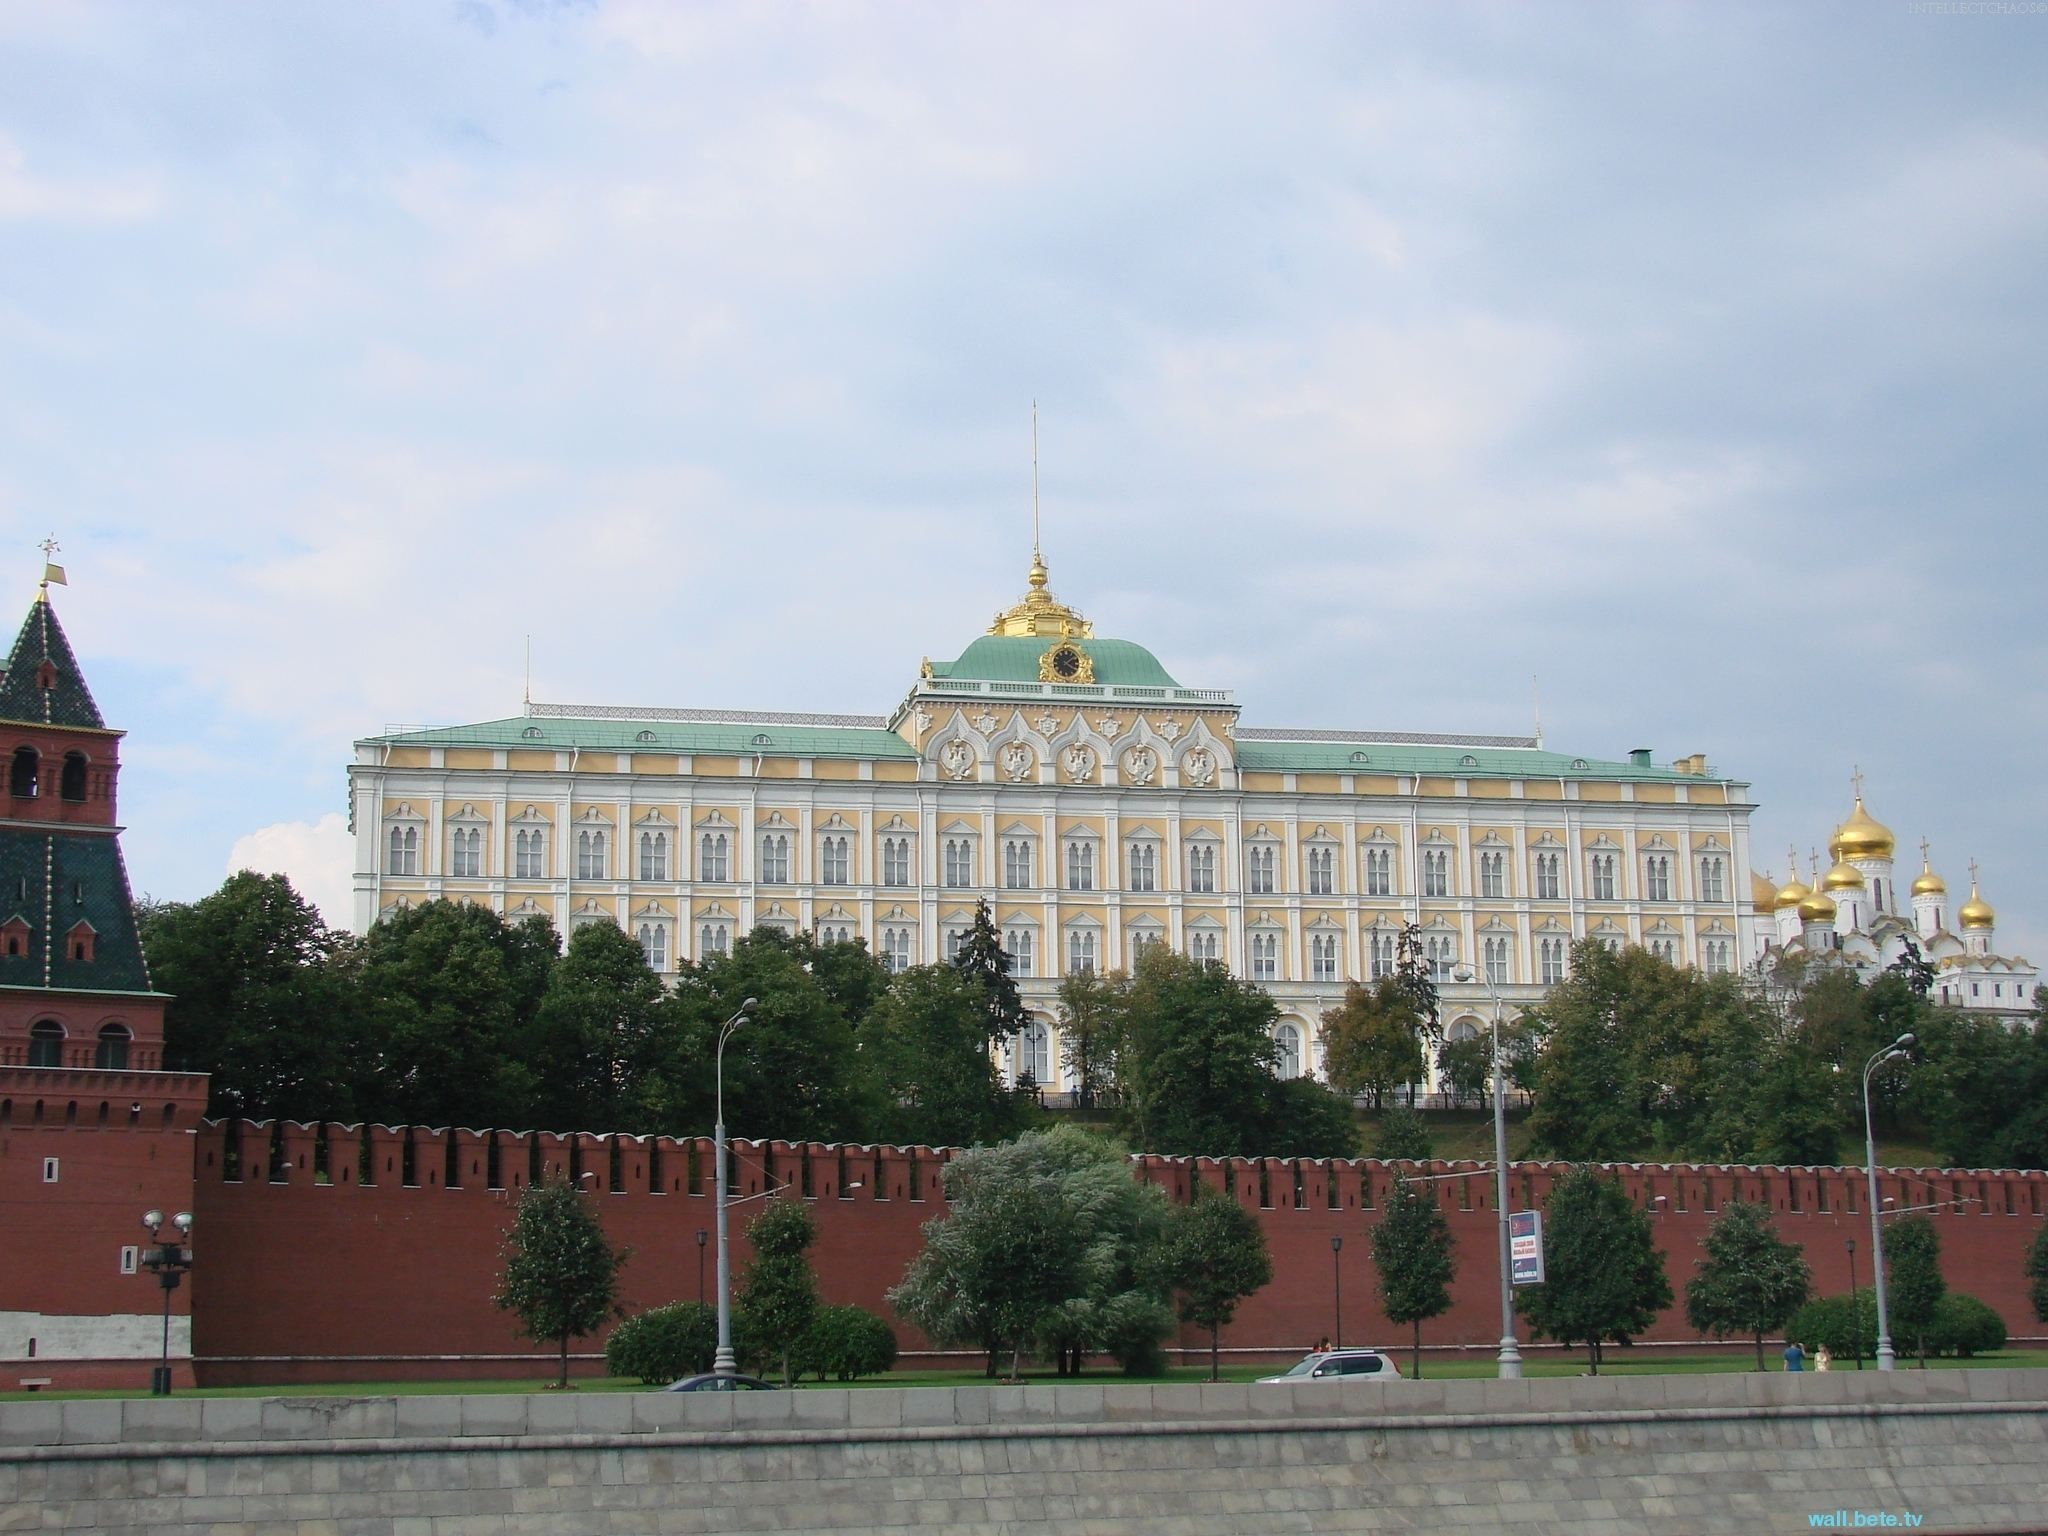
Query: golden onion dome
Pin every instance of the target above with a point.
(1790, 894)
(1862, 837)
(1763, 895)
(1976, 912)
(1929, 883)
(1843, 877)
(1818, 907)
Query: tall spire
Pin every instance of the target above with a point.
(42, 683)
(1037, 559)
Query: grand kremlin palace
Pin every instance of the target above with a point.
(1096, 804)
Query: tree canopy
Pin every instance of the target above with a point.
(1750, 1281)
(560, 1275)
(1604, 1276)
(1214, 1256)
(1043, 1247)
(1412, 1250)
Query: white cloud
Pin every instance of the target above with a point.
(112, 199)
(318, 857)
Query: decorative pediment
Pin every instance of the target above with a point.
(715, 820)
(775, 821)
(1378, 834)
(650, 912)
(403, 811)
(960, 827)
(897, 824)
(530, 814)
(1546, 839)
(1437, 836)
(836, 823)
(654, 818)
(1493, 840)
(1602, 840)
(468, 815)
(593, 818)
(1020, 829)
(715, 910)
(1320, 834)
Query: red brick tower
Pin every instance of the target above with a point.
(92, 1134)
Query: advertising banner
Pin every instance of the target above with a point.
(1525, 1247)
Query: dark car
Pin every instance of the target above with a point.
(1356, 1364)
(711, 1382)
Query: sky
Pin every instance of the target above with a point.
(1396, 365)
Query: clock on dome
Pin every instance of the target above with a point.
(1066, 663)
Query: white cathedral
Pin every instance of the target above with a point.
(1852, 915)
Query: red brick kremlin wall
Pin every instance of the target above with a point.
(347, 1253)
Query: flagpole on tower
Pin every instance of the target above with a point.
(52, 572)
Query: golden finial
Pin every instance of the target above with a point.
(1856, 779)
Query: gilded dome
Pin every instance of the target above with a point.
(1862, 837)
(1929, 883)
(1791, 893)
(1843, 877)
(1763, 896)
(1976, 912)
(1817, 908)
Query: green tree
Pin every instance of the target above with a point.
(664, 1344)
(1404, 1136)
(925, 1045)
(1914, 1286)
(1374, 1040)
(2036, 1270)
(1750, 1281)
(983, 960)
(1412, 1251)
(597, 1038)
(449, 992)
(1305, 1119)
(790, 1072)
(561, 1277)
(255, 1001)
(1197, 1065)
(1091, 1028)
(1047, 1240)
(1214, 1256)
(776, 1300)
(1604, 1276)
(1466, 1068)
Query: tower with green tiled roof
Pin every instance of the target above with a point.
(74, 989)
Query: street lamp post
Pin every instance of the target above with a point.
(1337, 1276)
(723, 1363)
(702, 1238)
(1893, 1052)
(169, 1260)
(1855, 1310)
(1510, 1352)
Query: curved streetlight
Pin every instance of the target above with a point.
(1510, 1351)
(168, 1259)
(1896, 1051)
(723, 1363)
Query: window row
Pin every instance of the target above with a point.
(47, 1038)
(1144, 870)
(25, 775)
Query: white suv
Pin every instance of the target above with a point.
(1353, 1364)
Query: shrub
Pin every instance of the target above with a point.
(1965, 1326)
(1847, 1325)
(664, 1344)
(845, 1343)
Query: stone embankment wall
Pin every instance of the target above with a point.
(1945, 1451)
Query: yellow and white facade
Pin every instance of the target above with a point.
(1098, 806)
(1853, 915)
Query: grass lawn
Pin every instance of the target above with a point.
(1478, 1364)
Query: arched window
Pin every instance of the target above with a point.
(529, 856)
(405, 850)
(654, 856)
(654, 945)
(1035, 1060)
(1017, 945)
(835, 864)
(46, 1044)
(774, 857)
(1288, 1038)
(465, 852)
(72, 786)
(112, 1053)
(24, 779)
(895, 861)
(712, 853)
(590, 855)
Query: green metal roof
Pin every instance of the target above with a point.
(67, 701)
(1450, 761)
(53, 879)
(1014, 659)
(738, 738)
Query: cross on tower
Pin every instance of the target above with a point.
(49, 547)
(1856, 778)
(1923, 850)
(1973, 877)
